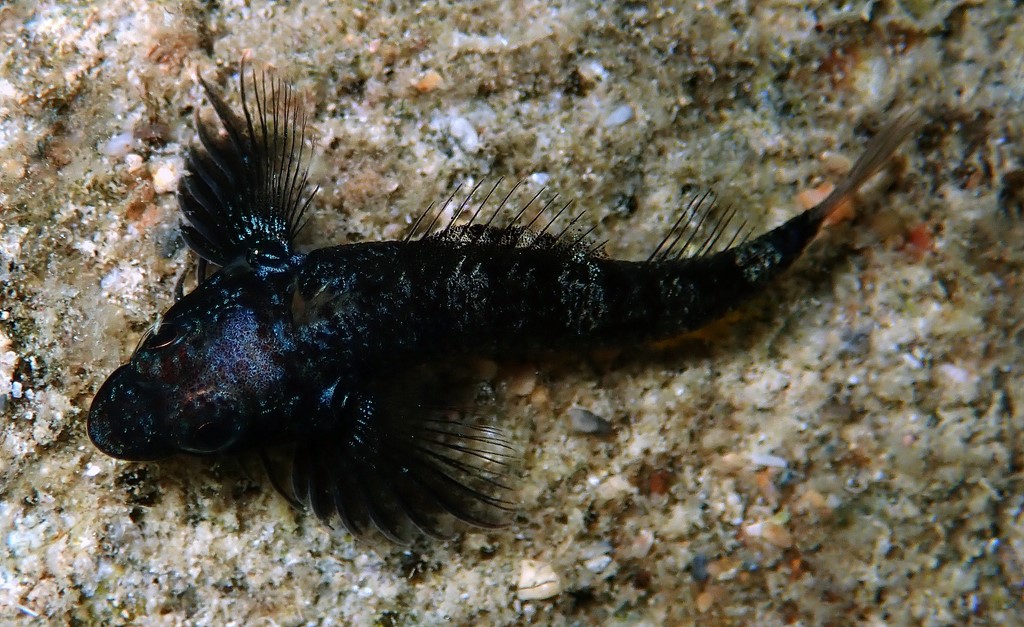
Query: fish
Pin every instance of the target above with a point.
(312, 350)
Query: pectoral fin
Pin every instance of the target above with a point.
(403, 472)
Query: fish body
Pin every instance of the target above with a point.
(308, 348)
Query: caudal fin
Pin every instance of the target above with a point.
(875, 155)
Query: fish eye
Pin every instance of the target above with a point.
(210, 437)
(167, 334)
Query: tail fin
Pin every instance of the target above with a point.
(719, 282)
(877, 152)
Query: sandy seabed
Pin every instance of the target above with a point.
(846, 449)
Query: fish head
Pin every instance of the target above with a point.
(199, 378)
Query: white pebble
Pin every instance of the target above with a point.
(912, 361)
(584, 421)
(134, 162)
(537, 580)
(119, 145)
(772, 461)
(540, 178)
(594, 550)
(16, 389)
(614, 487)
(464, 133)
(91, 470)
(618, 117)
(598, 564)
(593, 71)
(639, 546)
(8, 359)
(165, 179)
(955, 374)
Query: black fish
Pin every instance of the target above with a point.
(280, 346)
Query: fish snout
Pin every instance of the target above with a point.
(127, 419)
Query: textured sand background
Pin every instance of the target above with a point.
(846, 449)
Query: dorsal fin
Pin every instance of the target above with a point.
(485, 228)
(704, 227)
(247, 187)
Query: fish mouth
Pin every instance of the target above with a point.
(127, 418)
